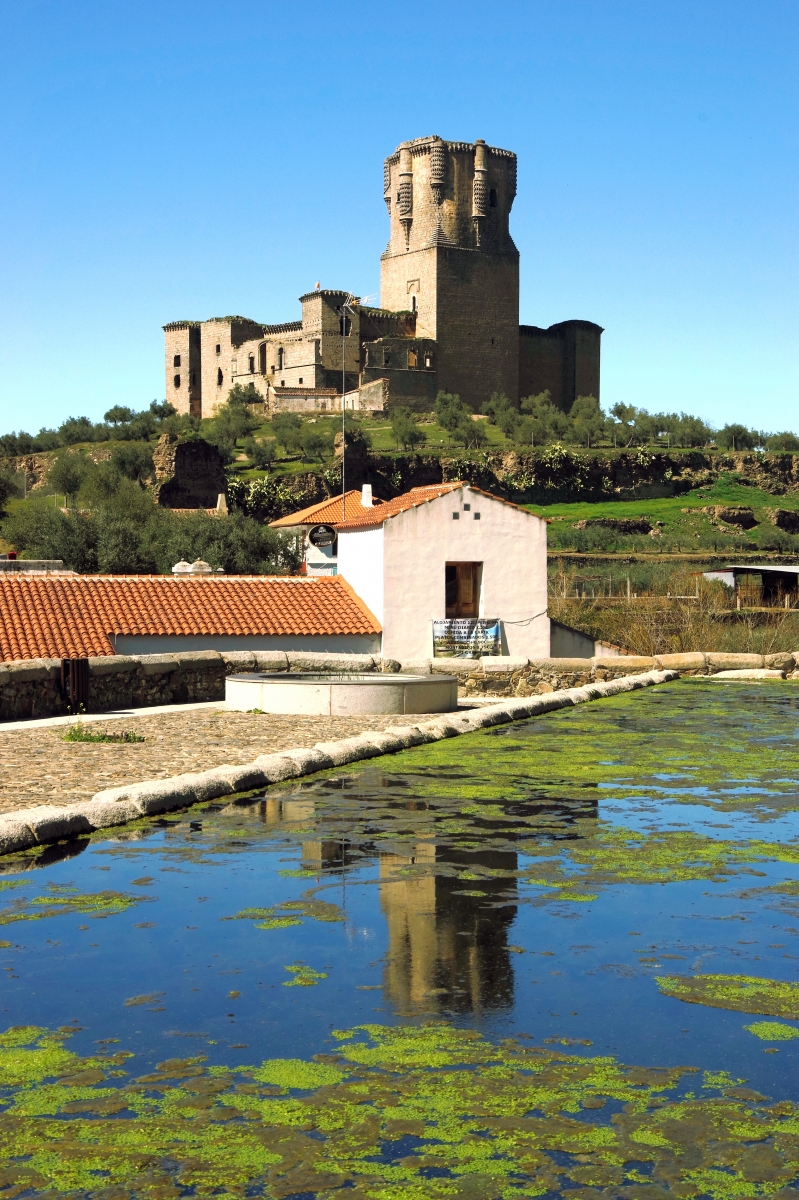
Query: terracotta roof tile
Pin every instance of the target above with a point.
(412, 499)
(326, 512)
(69, 616)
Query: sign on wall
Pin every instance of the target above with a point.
(322, 536)
(467, 637)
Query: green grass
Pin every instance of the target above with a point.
(79, 733)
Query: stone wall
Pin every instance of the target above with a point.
(32, 688)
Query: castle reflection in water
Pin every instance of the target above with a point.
(447, 949)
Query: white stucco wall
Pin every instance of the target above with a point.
(417, 544)
(360, 561)
(126, 643)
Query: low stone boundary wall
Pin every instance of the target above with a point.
(116, 806)
(32, 688)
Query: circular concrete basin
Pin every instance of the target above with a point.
(341, 695)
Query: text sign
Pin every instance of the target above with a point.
(466, 637)
(322, 536)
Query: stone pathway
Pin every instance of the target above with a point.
(38, 767)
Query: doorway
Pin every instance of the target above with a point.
(462, 589)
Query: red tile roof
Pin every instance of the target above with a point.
(72, 616)
(412, 499)
(326, 512)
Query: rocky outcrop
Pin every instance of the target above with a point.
(188, 474)
(785, 519)
(617, 524)
(733, 515)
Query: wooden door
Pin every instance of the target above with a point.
(462, 589)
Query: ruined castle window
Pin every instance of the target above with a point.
(344, 326)
(386, 358)
(218, 348)
(219, 377)
(252, 364)
(176, 381)
(492, 197)
(413, 303)
(176, 361)
(280, 359)
(411, 358)
(300, 379)
(428, 362)
(262, 359)
(282, 383)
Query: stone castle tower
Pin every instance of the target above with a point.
(451, 259)
(448, 321)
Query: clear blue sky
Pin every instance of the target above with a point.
(165, 161)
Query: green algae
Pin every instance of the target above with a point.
(94, 904)
(772, 1031)
(304, 976)
(740, 993)
(289, 912)
(398, 1113)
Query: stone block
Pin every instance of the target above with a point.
(455, 666)
(496, 665)
(391, 666)
(348, 750)
(330, 664)
(120, 664)
(780, 662)
(734, 662)
(561, 666)
(239, 660)
(163, 795)
(28, 671)
(48, 823)
(193, 660)
(15, 835)
(418, 666)
(277, 767)
(101, 812)
(385, 743)
(246, 777)
(623, 664)
(157, 664)
(407, 735)
(308, 761)
(745, 673)
(271, 660)
(692, 661)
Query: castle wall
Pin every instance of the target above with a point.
(564, 360)
(183, 384)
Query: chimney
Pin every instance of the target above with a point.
(366, 496)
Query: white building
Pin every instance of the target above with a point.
(318, 525)
(456, 556)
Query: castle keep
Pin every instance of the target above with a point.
(448, 321)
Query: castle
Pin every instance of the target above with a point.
(449, 315)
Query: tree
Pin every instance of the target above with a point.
(242, 396)
(134, 460)
(782, 441)
(316, 443)
(261, 452)
(68, 471)
(470, 433)
(501, 412)
(76, 429)
(587, 419)
(118, 415)
(450, 411)
(287, 428)
(43, 531)
(231, 423)
(546, 423)
(405, 428)
(163, 410)
(737, 437)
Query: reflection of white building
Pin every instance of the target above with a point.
(448, 551)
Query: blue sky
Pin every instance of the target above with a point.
(165, 161)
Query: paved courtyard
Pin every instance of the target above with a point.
(39, 767)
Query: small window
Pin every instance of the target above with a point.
(345, 326)
(456, 516)
(477, 516)
(428, 362)
(219, 377)
(176, 381)
(467, 508)
(262, 359)
(413, 303)
(218, 348)
(282, 383)
(300, 379)
(492, 197)
(280, 359)
(176, 361)
(412, 358)
(386, 358)
(252, 364)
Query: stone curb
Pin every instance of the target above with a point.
(115, 806)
